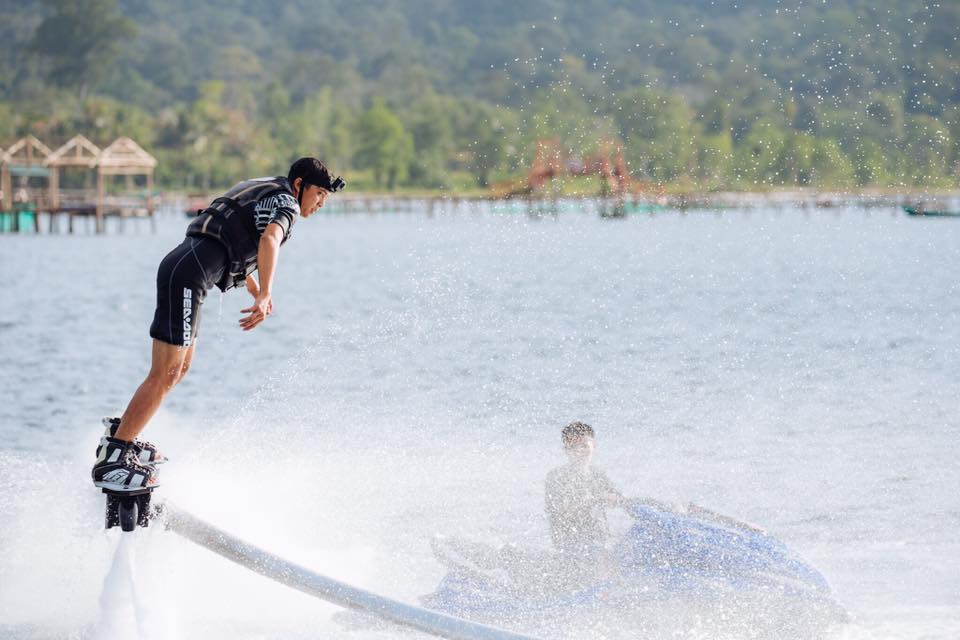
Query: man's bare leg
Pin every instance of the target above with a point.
(187, 360)
(168, 366)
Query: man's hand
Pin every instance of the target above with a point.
(258, 312)
(267, 252)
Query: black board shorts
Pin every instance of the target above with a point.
(183, 279)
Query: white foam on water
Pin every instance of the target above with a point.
(135, 600)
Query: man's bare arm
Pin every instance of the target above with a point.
(267, 253)
(253, 286)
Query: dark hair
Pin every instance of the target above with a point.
(311, 171)
(576, 430)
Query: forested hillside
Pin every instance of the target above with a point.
(445, 93)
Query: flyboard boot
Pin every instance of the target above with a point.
(127, 482)
(147, 452)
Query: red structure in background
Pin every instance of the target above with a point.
(551, 161)
(548, 163)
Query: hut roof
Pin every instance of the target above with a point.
(124, 156)
(26, 151)
(77, 152)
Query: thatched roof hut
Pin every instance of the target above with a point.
(30, 158)
(123, 157)
(25, 158)
(76, 152)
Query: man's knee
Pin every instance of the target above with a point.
(170, 364)
(164, 379)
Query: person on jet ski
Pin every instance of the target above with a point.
(578, 495)
(669, 555)
(576, 499)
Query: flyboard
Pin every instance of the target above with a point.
(302, 579)
(128, 511)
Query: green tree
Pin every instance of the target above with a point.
(561, 111)
(795, 162)
(870, 165)
(715, 115)
(952, 120)
(431, 123)
(757, 159)
(659, 134)
(383, 145)
(831, 167)
(223, 144)
(488, 144)
(336, 145)
(805, 116)
(714, 159)
(926, 150)
(80, 40)
(107, 119)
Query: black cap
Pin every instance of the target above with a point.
(314, 172)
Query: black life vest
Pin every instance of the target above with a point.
(232, 221)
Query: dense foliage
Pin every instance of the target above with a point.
(703, 94)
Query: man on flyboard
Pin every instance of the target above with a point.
(239, 233)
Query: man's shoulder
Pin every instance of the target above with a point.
(555, 479)
(281, 182)
(285, 198)
(272, 184)
(280, 199)
(285, 201)
(558, 472)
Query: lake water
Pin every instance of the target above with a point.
(799, 369)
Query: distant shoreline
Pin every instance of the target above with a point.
(802, 198)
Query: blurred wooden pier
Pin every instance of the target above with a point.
(29, 161)
(73, 218)
(613, 206)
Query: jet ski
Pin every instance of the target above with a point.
(693, 555)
